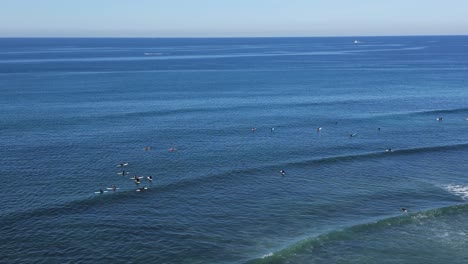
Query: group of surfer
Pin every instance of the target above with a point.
(135, 178)
(113, 188)
(318, 129)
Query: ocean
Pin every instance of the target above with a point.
(361, 126)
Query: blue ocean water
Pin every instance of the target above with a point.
(222, 118)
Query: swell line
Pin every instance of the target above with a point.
(238, 107)
(226, 109)
(76, 206)
(178, 111)
(378, 154)
(442, 111)
(85, 204)
(348, 233)
(184, 183)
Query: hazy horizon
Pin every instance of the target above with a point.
(221, 37)
(210, 18)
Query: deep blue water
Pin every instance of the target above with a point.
(72, 109)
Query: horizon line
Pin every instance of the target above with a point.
(231, 37)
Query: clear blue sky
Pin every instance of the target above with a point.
(226, 18)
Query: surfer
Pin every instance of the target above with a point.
(101, 191)
(123, 173)
(352, 135)
(147, 148)
(378, 129)
(150, 178)
(114, 188)
(254, 129)
(318, 129)
(282, 172)
(388, 150)
(122, 164)
(141, 189)
(439, 119)
(404, 210)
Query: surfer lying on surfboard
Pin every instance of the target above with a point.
(142, 189)
(122, 164)
(113, 188)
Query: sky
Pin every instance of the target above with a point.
(231, 18)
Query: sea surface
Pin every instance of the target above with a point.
(219, 119)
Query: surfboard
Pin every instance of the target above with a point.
(112, 188)
(122, 164)
(100, 192)
(123, 173)
(137, 178)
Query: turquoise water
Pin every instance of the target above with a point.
(73, 109)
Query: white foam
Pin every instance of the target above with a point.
(458, 189)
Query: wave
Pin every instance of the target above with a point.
(184, 183)
(331, 102)
(96, 200)
(71, 207)
(379, 154)
(226, 109)
(433, 112)
(350, 232)
(260, 106)
(237, 107)
(442, 111)
(459, 190)
(45, 121)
